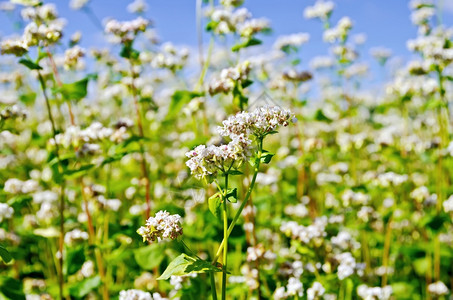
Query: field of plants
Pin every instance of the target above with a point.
(233, 170)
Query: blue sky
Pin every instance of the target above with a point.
(385, 22)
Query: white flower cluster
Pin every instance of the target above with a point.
(422, 15)
(434, 47)
(225, 21)
(448, 204)
(137, 6)
(43, 13)
(162, 226)
(16, 186)
(421, 85)
(78, 4)
(347, 265)
(15, 46)
(43, 34)
(306, 234)
(340, 32)
(258, 252)
(253, 26)
(259, 122)
(228, 78)
(292, 40)
(374, 293)
(322, 62)
(293, 288)
(139, 295)
(72, 55)
(76, 137)
(316, 291)
(207, 161)
(170, 57)
(321, 9)
(438, 288)
(380, 53)
(13, 112)
(127, 30)
(6, 211)
(74, 236)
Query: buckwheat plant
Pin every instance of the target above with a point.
(210, 163)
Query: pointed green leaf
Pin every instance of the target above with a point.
(232, 195)
(214, 203)
(5, 255)
(184, 264)
(29, 64)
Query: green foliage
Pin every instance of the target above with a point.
(184, 265)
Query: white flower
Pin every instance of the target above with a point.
(6, 211)
(137, 6)
(438, 288)
(75, 235)
(295, 287)
(321, 9)
(347, 265)
(205, 161)
(78, 4)
(259, 122)
(374, 293)
(135, 295)
(315, 291)
(294, 40)
(162, 226)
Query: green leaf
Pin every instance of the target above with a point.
(150, 256)
(178, 100)
(232, 195)
(235, 172)
(266, 157)
(83, 288)
(28, 98)
(11, 288)
(76, 90)
(246, 83)
(5, 255)
(184, 264)
(320, 116)
(214, 203)
(74, 260)
(29, 64)
(128, 52)
(76, 173)
(247, 43)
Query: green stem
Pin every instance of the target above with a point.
(247, 196)
(213, 288)
(225, 238)
(62, 186)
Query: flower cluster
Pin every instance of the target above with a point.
(6, 211)
(72, 55)
(139, 295)
(13, 112)
(209, 160)
(162, 226)
(340, 32)
(127, 30)
(170, 57)
(229, 78)
(261, 121)
(371, 293)
(293, 40)
(321, 10)
(16, 186)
